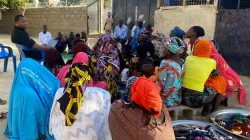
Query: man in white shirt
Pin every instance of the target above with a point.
(44, 36)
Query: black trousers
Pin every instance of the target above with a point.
(36, 55)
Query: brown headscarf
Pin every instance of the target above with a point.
(80, 47)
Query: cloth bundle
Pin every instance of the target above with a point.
(237, 124)
(189, 132)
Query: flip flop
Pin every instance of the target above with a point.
(2, 102)
(3, 115)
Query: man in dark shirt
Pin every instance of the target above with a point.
(69, 41)
(20, 36)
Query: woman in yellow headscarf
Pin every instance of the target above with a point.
(200, 78)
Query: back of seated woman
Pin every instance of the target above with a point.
(80, 108)
(145, 118)
(198, 68)
(31, 99)
(171, 70)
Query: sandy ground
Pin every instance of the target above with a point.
(6, 81)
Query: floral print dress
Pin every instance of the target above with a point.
(170, 79)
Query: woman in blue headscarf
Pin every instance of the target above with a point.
(171, 71)
(31, 99)
(177, 32)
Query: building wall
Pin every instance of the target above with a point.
(233, 36)
(61, 19)
(166, 18)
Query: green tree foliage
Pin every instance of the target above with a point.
(14, 4)
(71, 2)
(107, 3)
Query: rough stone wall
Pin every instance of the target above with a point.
(233, 36)
(166, 18)
(63, 19)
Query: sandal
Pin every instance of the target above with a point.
(2, 102)
(3, 115)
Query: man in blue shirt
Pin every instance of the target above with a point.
(139, 29)
(121, 33)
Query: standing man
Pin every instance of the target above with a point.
(138, 30)
(108, 24)
(121, 32)
(44, 36)
(20, 36)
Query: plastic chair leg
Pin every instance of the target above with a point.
(14, 63)
(5, 64)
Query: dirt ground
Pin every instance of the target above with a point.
(6, 81)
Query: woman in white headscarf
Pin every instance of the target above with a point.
(80, 112)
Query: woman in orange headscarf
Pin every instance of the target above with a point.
(145, 118)
(201, 80)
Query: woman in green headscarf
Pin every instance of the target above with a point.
(171, 71)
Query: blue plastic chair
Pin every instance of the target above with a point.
(5, 55)
(22, 55)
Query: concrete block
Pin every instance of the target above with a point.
(52, 12)
(78, 16)
(76, 12)
(57, 9)
(182, 110)
(66, 16)
(83, 8)
(65, 12)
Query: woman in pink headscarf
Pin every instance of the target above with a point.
(80, 57)
(233, 81)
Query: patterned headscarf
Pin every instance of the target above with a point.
(158, 46)
(105, 38)
(174, 44)
(77, 80)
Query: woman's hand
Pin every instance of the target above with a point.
(156, 71)
(215, 72)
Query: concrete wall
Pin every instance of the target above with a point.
(233, 36)
(63, 19)
(166, 18)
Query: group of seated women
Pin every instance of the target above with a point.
(73, 101)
